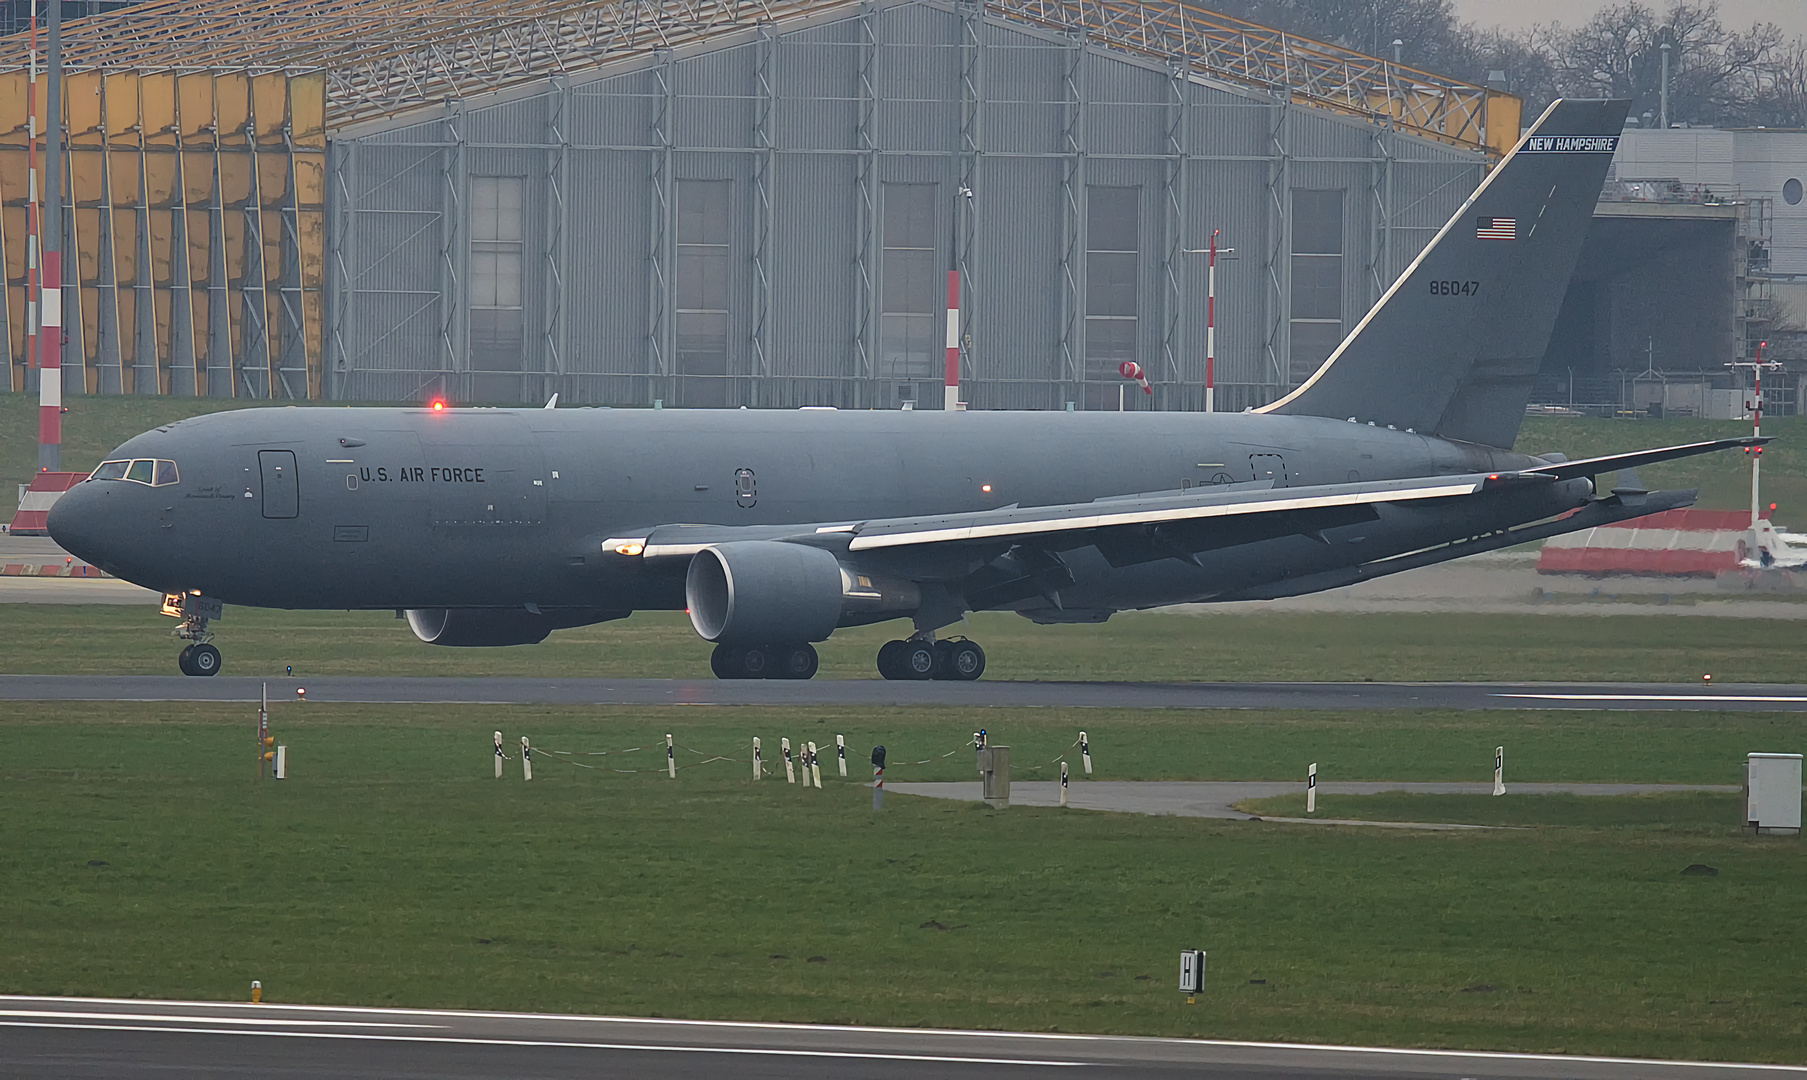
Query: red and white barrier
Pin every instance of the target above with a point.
(1675, 543)
(40, 495)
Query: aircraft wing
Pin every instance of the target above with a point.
(1127, 529)
(1570, 470)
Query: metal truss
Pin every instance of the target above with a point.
(1315, 73)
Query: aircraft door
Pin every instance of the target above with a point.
(282, 491)
(1268, 467)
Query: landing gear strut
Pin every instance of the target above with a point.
(764, 661)
(956, 659)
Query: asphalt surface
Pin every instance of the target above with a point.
(1218, 799)
(1686, 697)
(75, 1037)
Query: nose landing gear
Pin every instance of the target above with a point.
(797, 661)
(199, 659)
(957, 659)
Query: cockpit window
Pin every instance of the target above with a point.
(152, 472)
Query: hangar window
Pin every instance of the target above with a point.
(913, 304)
(701, 301)
(1791, 192)
(497, 319)
(1112, 244)
(1317, 280)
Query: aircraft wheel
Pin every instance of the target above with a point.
(202, 659)
(964, 661)
(725, 662)
(756, 662)
(917, 660)
(890, 660)
(795, 662)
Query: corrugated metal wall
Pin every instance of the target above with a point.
(808, 125)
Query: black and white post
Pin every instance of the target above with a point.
(790, 769)
(878, 778)
(1085, 752)
(499, 755)
(526, 759)
(840, 753)
(1499, 770)
(1063, 783)
(758, 769)
(671, 759)
(1311, 789)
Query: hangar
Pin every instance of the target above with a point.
(725, 204)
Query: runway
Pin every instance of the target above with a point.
(85, 1037)
(1687, 697)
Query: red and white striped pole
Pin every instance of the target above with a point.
(1211, 329)
(50, 306)
(950, 399)
(31, 203)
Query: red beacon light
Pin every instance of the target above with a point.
(438, 405)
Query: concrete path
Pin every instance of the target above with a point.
(1217, 799)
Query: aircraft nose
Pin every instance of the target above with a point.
(78, 522)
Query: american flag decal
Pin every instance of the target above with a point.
(1496, 228)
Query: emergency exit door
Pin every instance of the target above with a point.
(282, 495)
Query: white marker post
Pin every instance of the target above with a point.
(282, 763)
(1063, 783)
(758, 769)
(790, 772)
(671, 758)
(1499, 770)
(1085, 752)
(815, 767)
(1311, 789)
(526, 759)
(840, 753)
(499, 755)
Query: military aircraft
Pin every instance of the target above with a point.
(774, 528)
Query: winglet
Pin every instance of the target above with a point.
(552, 402)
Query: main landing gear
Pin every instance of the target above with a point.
(764, 661)
(919, 658)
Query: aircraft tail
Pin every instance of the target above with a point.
(1452, 347)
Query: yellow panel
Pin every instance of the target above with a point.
(12, 104)
(272, 178)
(160, 178)
(157, 107)
(232, 98)
(87, 256)
(311, 225)
(1505, 112)
(161, 246)
(235, 177)
(12, 223)
(123, 163)
(272, 229)
(82, 107)
(312, 321)
(13, 184)
(122, 107)
(197, 177)
(197, 303)
(125, 249)
(307, 110)
(161, 298)
(127, 300)
(269, 106)
(194, 98)
(310, 180)
(234, 234)
(199, 247)
(87, 176)
(90, 301)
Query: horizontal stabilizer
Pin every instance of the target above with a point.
(1570, 470)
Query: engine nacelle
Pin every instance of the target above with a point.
(482, 627)
(755, 592)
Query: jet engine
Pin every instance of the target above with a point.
(498, 626)
(765, 591)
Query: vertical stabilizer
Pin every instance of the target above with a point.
(1453, 346)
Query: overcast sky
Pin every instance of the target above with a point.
(1790, 15)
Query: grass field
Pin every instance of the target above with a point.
(142, 859)
(95, 425)
(1706, 813)
(1208, 647)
